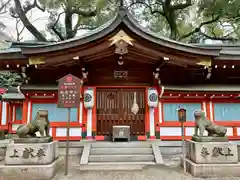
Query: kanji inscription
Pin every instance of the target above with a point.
(15, 154)
(28, 153)
(69, 92)
(218, 151)
(204, 152)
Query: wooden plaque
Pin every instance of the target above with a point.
(69, 92)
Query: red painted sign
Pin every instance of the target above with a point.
(2, 90)
(69, 92)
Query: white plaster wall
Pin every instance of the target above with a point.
(190, 131)
(238, 131)
(50, 132)
(229, 131)
(4, 113)
(75, 132)
(61, 132)
(170, 131)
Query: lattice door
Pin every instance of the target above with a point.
(114, 108)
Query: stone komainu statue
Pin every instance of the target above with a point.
(39, 124)
(203, 124)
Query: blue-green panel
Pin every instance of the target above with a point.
(170, 110)
(227, 111)
(56, 114)
(18, 112)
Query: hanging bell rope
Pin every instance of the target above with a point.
(135, 107)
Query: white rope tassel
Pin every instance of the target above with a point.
(135, 107)
(162, 91)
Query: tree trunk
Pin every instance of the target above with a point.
(27, 23)
(68, 25)
(173, 26)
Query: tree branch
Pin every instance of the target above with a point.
(182, 6)
(218, 38)
(153, 12)
(198, 29)
(29, 7)
(21, 14)
(84, 13)
(57, 33)
(53, 25)
(19, 32)
(58, 17)
(3, 7)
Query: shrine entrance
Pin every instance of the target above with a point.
(114, 108)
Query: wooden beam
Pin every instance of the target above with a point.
(138, 59)
(82, 53)
(99, 56)
(186, 60)
(142, 53)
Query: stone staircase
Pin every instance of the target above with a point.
(119, 156)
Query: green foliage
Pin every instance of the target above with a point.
(182, 20)
(191, 20)
(77, 14)
(8, 79)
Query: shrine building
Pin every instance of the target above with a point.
(130, 76)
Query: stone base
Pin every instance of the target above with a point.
(33, 140)
(212, 170)
(209, 139)
(31, 153)
(3, 147)
(33, 172)
(2, 153)
(212, 152)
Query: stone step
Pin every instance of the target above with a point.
(119, 151)
(121, 158)
(121, 145)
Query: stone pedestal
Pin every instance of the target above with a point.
(31, 153)
(211, 159)
(32, 160)
(3, 147)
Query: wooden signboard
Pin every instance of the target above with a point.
(68, 97)
(69, 92)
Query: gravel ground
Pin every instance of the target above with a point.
(170, 171)
(150, 173)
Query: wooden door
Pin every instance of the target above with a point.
(114, 108)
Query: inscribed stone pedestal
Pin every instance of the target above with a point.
(212, 152)
(31, 153)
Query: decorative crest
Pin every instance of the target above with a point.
(121, 36)
(207, 63)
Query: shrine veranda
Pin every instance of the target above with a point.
(121, 65)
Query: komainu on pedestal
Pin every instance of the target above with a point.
(215, 132)
(39, 124)
(31, 156)
(212, 155)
